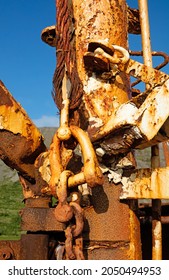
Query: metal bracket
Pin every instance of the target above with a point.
(145, 114)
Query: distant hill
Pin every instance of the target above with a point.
(142, 157)
(48, 133)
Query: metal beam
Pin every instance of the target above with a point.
(146, 183)
(20, 140)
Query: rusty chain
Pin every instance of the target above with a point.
(71, 213)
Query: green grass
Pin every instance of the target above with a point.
(10, 204)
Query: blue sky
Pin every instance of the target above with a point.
(27, 64)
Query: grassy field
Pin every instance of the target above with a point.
(10, 203)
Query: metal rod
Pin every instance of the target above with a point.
(148, 220)
(155, 160)
(145, 32)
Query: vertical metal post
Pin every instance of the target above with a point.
(145, 32)
(156, 214)
(155, 161)
(166, 152)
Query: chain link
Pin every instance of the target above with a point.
(61, 179)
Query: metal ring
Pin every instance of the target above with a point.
(114, 59)
(125, 53)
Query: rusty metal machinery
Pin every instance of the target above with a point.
(90, 167)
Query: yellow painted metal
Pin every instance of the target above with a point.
(94, 23)
(21, 140)
(146, 183)
(15, 119)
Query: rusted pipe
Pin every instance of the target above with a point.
(92, 22)
(145, 32)
(155, 160)
(156, 230)
(80, 23)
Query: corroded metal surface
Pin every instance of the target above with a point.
(146, 183)
(10, 250)
(66, 56)
(158, 67)
(144, 117)
(135, 252)
(91, 90)
(155, 159)
(106, 207)
(106, 250)
(34, 247)
(29, 247)
(101, 98)
(166, 152)
(20, 141)
(107, 210)
(79, 26)
(39, 219)
(133, 21)
(91, 22)
(156, 230)
(91, 173)
(49, 36)
(6, 253)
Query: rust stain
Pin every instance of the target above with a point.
(4, 98)
(100, 98)
(16, 151)
(20, 141)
